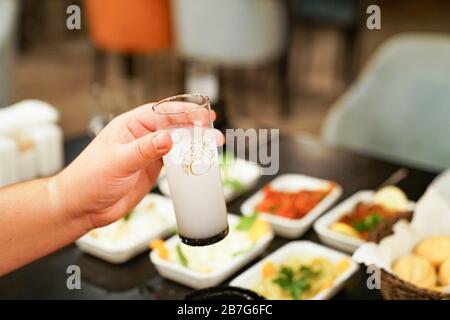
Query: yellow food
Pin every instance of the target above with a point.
(281, 282)
(258, 229)
(444, 273)
(435, 249)
(268, 269)
(391, 198)
(326, 285)
(440, 289)
(416, 270)
(160, 247)
(343, 265)
(345, 229)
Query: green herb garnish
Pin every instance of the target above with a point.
(308, 272)
(181, 256)
(368, 223)
(227, 159)
(235, 184)
(372, 221)
(295, 283)
(246, 222)
(359, 226)
(128, 216)
(238, 253)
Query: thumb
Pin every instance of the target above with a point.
(141, 152)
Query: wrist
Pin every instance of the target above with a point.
(62, 204)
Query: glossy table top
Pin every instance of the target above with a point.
(138, 279)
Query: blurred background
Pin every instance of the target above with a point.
(265, 64)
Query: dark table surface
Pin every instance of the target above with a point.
(138, 279)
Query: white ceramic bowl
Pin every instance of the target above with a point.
(293, 228)
(250, 278)
(136, 241)
(200, 280)
(338, 240)
(246, 172)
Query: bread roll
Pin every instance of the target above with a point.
(416, 270)
(444, 273)
(435, 249)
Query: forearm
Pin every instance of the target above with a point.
(32, 224)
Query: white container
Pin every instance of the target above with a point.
(293, 228)
(338, 240)
(48, 144)
(27, 164)
(138, 237)
(199, 280)
(25, 114)
(246, 172)
(8, 161)
(250, 278)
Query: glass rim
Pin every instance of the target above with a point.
(205, 103)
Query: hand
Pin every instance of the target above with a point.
(115, 171)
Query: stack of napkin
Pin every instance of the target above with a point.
(31, 143)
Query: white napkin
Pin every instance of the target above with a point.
(26, 114)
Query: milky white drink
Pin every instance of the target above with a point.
(192, 168)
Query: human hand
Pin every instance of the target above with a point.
(115, 171)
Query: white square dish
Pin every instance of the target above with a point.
(152, 218)
(198, 280)
(338, 240)
(246, 173)
(250, 278)
(293, 228)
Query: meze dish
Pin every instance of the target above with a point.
(118, 242)
(366, 216)
(350, 223)
(201, 267)
(291, 202)
(300, 270)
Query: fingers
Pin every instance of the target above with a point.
(141, 152)
(173, 114)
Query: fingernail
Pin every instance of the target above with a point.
(160, 142)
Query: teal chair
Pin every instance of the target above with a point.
(399, 108)
(8, 18)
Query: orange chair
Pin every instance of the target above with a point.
(129, 26)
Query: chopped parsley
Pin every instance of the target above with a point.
(181, 257)
(128, 216)
(295, 282)
(368, 223)
(246, 222)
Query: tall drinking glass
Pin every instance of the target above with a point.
(192, 169)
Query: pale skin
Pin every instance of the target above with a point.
(100, 186)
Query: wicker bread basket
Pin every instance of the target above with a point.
(392, 287)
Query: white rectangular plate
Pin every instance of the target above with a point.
(199, 280)
(252, 276)
(293, 228)
(136, 241)
(336, 239)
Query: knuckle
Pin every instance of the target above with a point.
(144, 154)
